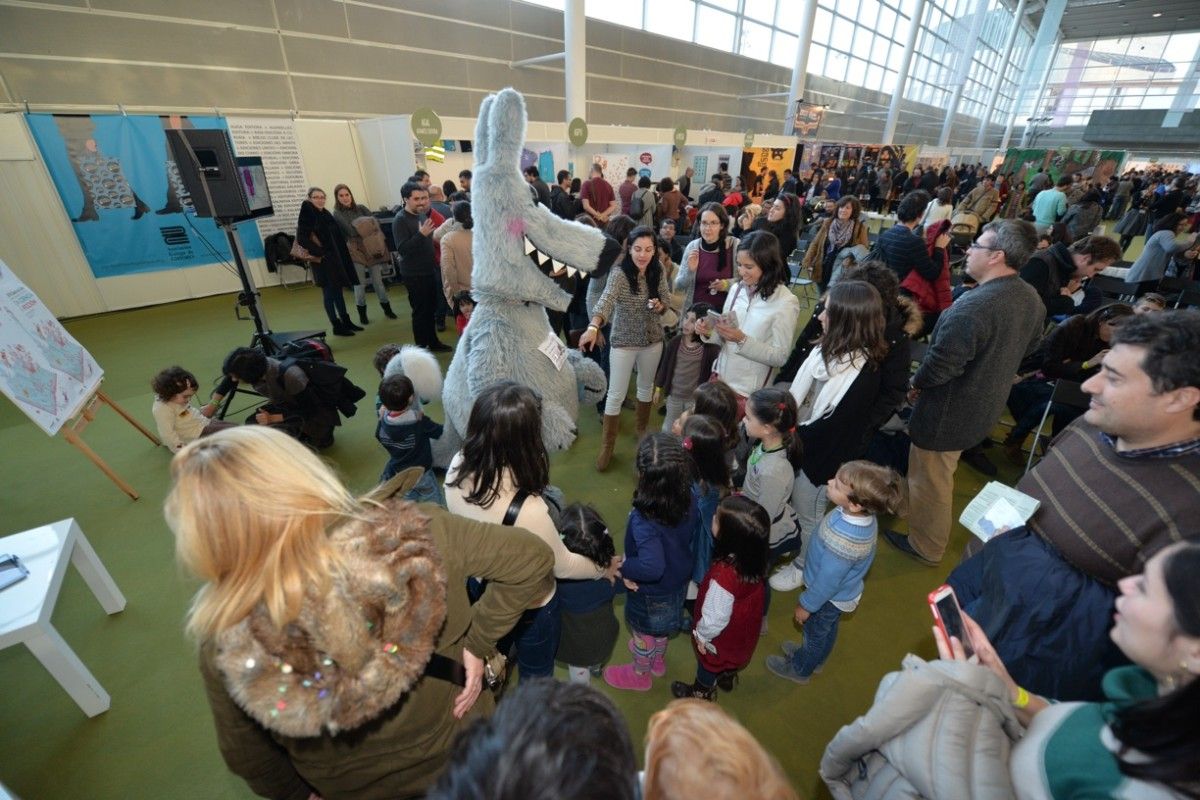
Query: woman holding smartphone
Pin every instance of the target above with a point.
(1141, 741)
(634, 300)
(758, 319)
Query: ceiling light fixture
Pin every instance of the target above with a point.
(1156, 14)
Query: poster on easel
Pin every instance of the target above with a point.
(43, 370)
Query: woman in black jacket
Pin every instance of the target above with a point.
(844, 389)
(333, 270)
(782, 218)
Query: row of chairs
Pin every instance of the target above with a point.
(1180, 292)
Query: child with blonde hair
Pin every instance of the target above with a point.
(838, 559)
(695, 749)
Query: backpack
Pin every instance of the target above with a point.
(316, 349)
(637, 206)
(327, 381)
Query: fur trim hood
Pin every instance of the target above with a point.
(354, 651)
(911, 314)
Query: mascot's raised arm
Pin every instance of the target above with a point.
(509, 337)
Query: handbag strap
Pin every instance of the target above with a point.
(446, 669)
(514, 508)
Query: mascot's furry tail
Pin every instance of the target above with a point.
(421, 367)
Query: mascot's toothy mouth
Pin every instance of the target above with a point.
(546, 260)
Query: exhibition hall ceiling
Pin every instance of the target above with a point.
(1103, 19)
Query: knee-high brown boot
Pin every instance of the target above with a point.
(608, 440)
(643, 418)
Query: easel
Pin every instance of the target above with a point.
(75, 426)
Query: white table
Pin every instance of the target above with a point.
(26, 607)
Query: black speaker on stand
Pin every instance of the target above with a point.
(231, 189)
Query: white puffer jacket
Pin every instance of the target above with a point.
(939, 730)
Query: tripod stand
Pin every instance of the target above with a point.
(264, 338)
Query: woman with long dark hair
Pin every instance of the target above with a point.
(333, 270)
(760, 317)
(500, 476)
(836, 390)
(634, 300)
(346, 210)
(782, 220)
(708, 259)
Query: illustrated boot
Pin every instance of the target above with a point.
(697, 689)
(362, 315)
(387, 310)
(643, 418)
(346, 323)
(608, 440)
(658, 654)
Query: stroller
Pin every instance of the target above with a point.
(963, 227)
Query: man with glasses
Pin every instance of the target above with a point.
(959, 390)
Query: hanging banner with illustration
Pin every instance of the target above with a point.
(759, 162)
(42, 368)
(614, 166)
(1096, 165)
(807, 120)
(274, 141)
(122, 192)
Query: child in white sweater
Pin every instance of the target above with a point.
(179, 422)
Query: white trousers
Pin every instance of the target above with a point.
(621, 361)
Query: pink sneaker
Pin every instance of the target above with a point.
(658, 659)
(626, 677)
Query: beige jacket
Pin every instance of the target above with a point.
(456, 262)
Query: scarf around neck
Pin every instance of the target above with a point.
(839, 232)
(838, 377)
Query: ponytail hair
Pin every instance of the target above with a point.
(777, 408)
(704, 441)
(664, 487)
(743, 530)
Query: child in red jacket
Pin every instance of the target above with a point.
(729, 605)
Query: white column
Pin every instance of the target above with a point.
(575, 63)
(966, 52)
(1186, 97)
(994, 95)
(808, 16)
(1041, 93)
(893, 117)
(1041, 58)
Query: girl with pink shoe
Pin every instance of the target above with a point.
(658, 558)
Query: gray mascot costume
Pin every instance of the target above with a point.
(509, 337)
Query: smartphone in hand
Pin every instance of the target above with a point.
(948, 615)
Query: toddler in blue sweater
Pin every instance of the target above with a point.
(837, 562)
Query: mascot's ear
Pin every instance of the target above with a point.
(483, 147)
(506, 124)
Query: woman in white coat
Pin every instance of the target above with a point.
(766, 311)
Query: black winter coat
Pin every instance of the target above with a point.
(318, 232)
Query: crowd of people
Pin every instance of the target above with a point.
(353, 646)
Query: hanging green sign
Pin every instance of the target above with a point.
(577, 132)
(680, 136)
(427, 126)
(748, 141)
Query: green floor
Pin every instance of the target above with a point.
(157, 739)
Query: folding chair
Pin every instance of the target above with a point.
(1174, 289)
(1067, 393)
(809, 292)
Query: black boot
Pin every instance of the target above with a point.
(727, 680)
(697, 689)
(387, 310)
(362, 315)
(346, 323)
(340, 329)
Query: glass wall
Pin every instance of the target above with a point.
(860, 42)
(1129, 72)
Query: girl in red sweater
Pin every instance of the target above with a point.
(730, 602)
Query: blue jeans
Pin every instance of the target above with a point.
(536, 639)
(655, 614)
(335, 302)
(820, 632)
(427, 490)
(704, 677)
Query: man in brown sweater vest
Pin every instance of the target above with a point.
(1116, 487)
